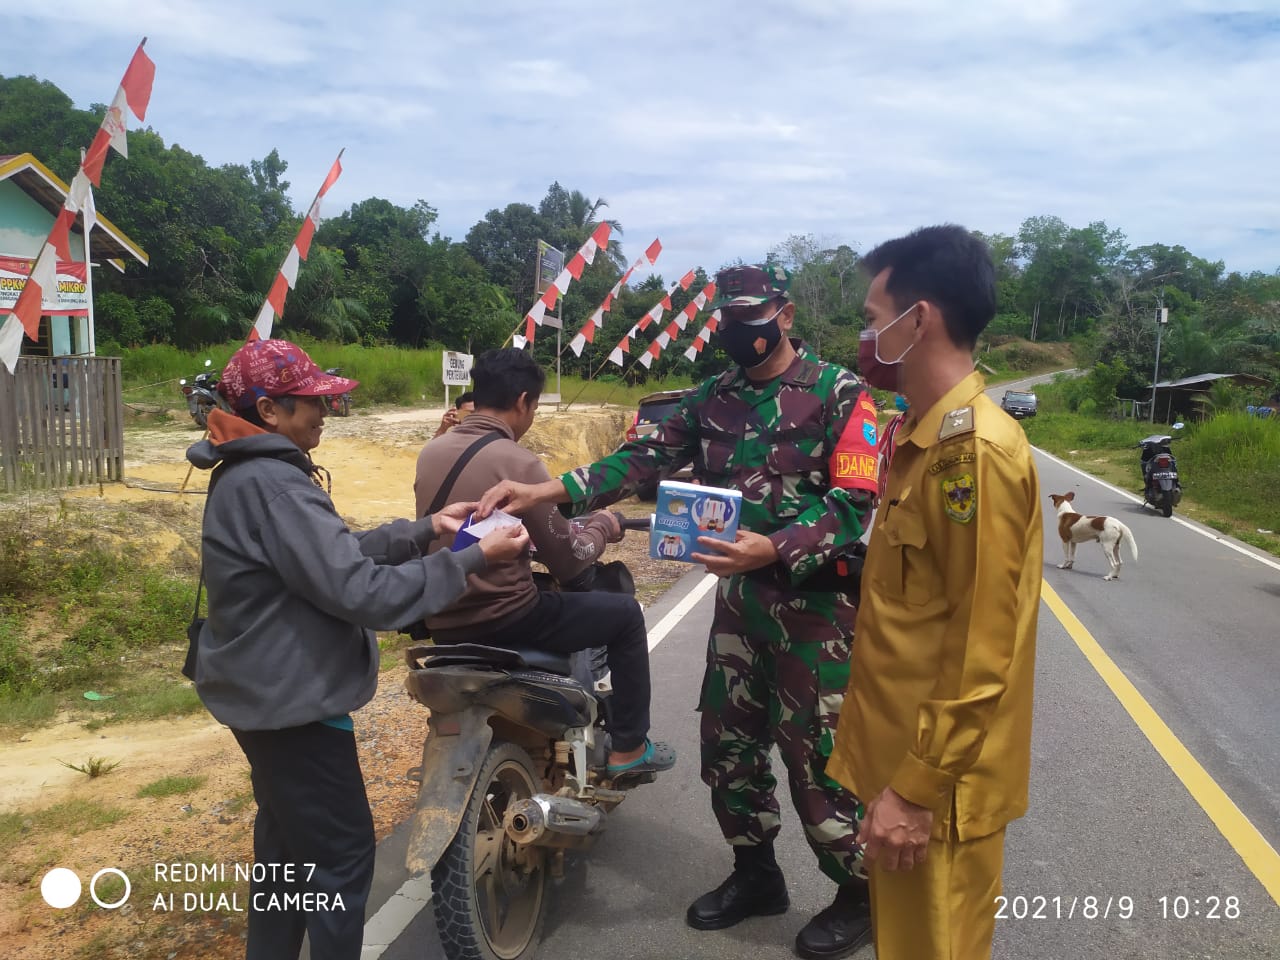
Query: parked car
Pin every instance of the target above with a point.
(650, 411)
(1018, 404)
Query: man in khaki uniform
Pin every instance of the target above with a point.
(936, 727)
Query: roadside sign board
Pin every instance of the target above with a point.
(457, 368)
(550, 263)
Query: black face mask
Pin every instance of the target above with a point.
(750, 344)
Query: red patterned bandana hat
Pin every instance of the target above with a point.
(276, 368)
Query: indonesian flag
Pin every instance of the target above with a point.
(41, 288)
(287, 277)
(133, 95)
(560, 285)
(588, 332)
(703, 336)
(654, 314)
(659, 344)
(672, 332)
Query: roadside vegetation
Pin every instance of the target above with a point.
(93, 598)
(1227, 463)
(388, 375)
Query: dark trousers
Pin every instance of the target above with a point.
(569, 622)
(312, 809)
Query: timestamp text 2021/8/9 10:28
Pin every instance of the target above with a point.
(1123, 907)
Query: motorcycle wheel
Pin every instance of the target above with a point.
(344, 405)
(1166, 503)
(490, 895)
(200, 414)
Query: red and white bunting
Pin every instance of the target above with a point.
(40, 290)
(586, 254)
(663, 340)
(703, 336)
(655, 314)
(287, 277)
(588, 332)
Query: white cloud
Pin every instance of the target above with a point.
(233, 31)
(723, 131)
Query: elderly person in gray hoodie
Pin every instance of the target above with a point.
(288, 650)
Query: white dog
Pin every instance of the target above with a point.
(1076, 528)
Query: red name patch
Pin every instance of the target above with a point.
(855, 460)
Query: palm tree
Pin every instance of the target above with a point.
(584, 218)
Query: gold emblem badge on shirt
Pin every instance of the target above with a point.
(960, 497)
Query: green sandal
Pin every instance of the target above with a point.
(656, 758)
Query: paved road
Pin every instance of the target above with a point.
(1191, 625)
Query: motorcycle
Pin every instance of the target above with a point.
(1160, 486)
(202, 396)
(339, 404)
(513, 775)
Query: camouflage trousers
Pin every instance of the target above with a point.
(777, 670)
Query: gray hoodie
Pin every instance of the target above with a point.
(294, 595)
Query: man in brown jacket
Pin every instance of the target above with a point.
(503, 606)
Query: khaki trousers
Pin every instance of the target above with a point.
(943, 909)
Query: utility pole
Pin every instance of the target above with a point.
(1162, 320)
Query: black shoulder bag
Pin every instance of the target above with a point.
(197, 621)
(419, 632)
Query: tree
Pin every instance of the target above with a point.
(505, 244)
(826, 286)
(571, 217)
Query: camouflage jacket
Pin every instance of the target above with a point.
(801, 448)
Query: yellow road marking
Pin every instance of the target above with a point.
(1258, 855)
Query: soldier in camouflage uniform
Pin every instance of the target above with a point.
(798, 438)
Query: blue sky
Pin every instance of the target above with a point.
(724, 127)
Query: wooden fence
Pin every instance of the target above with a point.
(61, 422)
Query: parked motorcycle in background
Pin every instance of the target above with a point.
(1160, 486)
(202, 396)
(339, 404)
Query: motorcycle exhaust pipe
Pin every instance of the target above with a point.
(548, 821)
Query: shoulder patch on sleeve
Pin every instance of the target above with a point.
(955, 423)
(854, 463)
(960, 497)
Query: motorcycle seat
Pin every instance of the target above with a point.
(478, 654)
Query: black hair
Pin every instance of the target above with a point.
(468, 397)
(251, 414)
(946, 265)
(500, 376)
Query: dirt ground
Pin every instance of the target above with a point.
(56, 815)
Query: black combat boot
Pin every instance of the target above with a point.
(841, 928)
(756, 888)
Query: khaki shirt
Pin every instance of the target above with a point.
(943, 661)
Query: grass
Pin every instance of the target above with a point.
(13, 826)
(387, 375)
(75, 817)
(93, 768)
(391, 647)
(1005, 359)
(1227, 465)
(83, 606)
(27, 710)
(584, 393)
(172, 786)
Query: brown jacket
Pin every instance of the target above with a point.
(503, 592)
